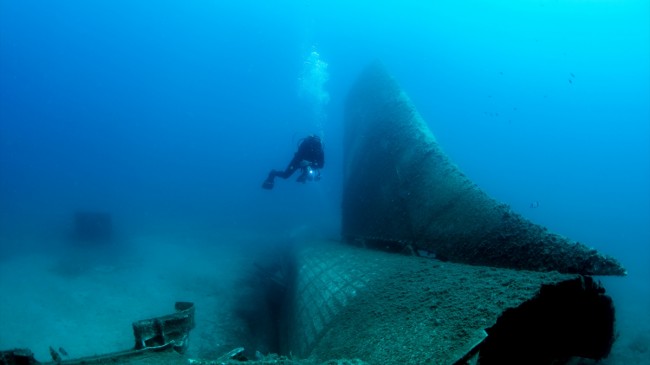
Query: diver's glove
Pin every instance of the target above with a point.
(268, 184)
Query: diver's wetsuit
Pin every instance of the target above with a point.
(309, 158)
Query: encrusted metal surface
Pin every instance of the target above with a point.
(399, 186)
(386, 308)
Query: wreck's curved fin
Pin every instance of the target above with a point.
(401, 189)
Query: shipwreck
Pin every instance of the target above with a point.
(430, 269)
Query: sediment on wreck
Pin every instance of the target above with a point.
(384, 308)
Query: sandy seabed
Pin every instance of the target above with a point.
(86, 301)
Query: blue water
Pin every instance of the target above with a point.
(169, 114)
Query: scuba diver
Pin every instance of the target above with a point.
(309, 159)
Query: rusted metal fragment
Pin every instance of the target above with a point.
(173, 329)
(159, 340)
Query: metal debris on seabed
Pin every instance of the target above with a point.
(235, 354)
